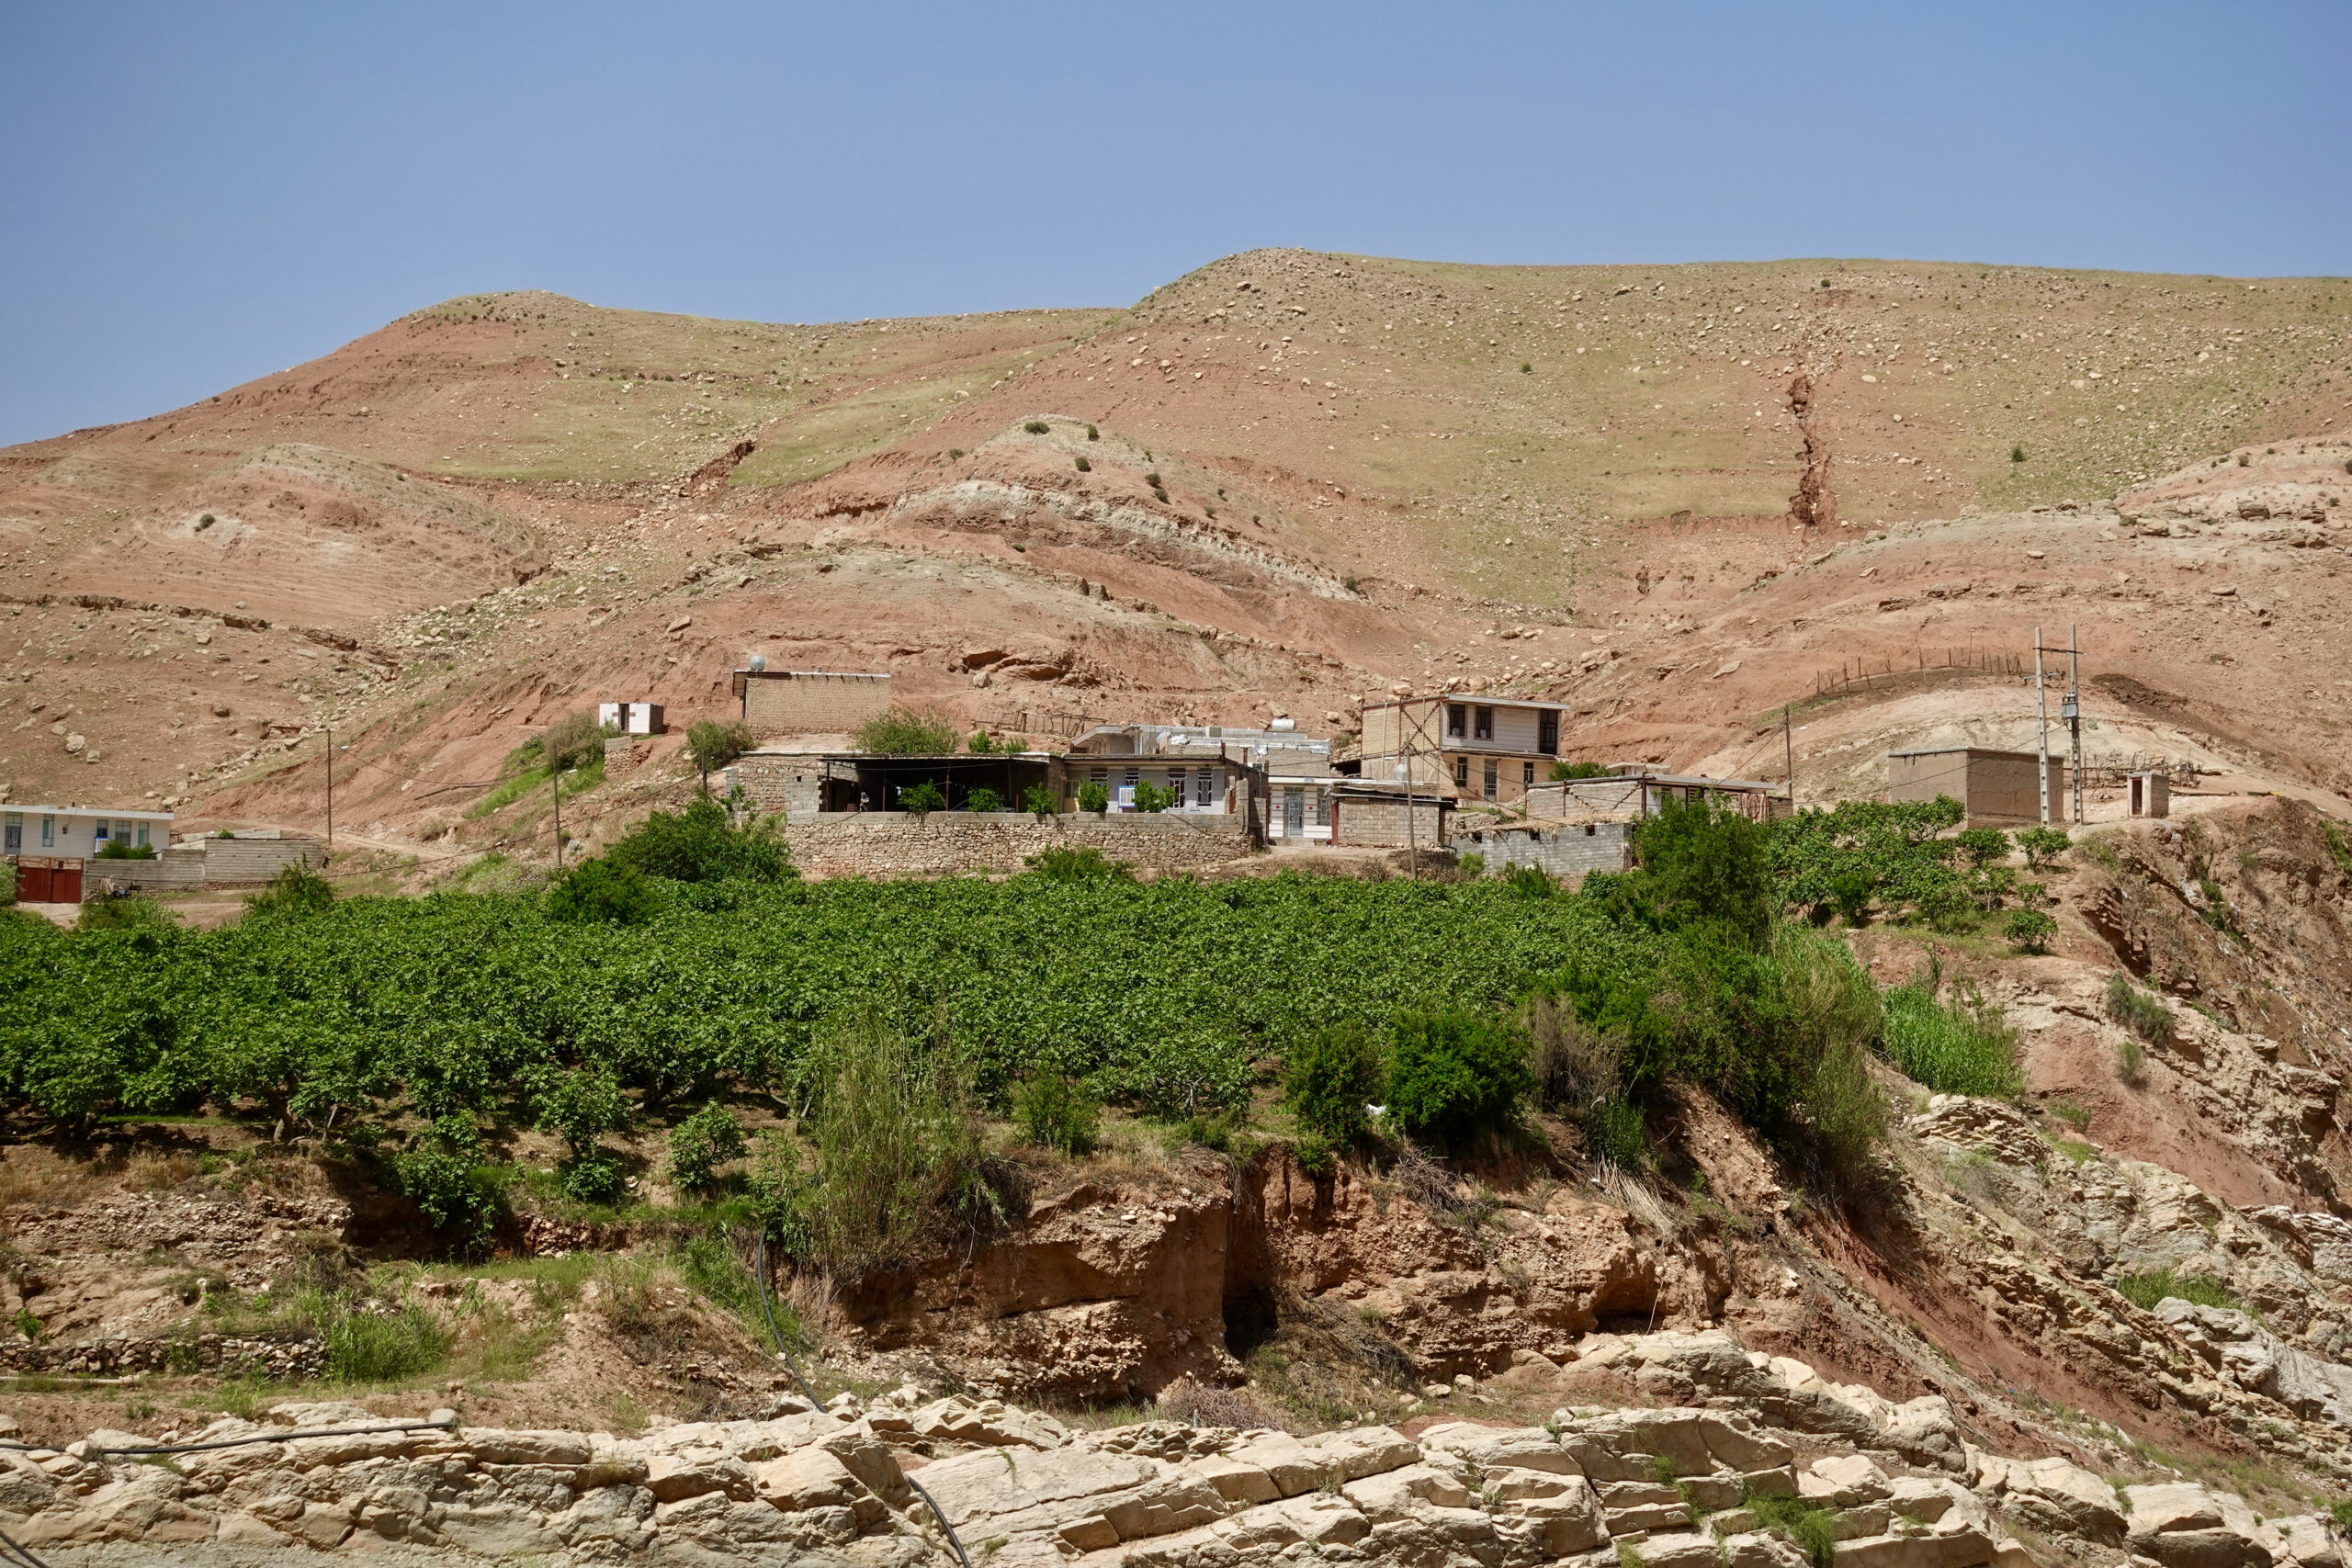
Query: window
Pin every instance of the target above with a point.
(1455, 716)
(98, 831)
(142, 835)
(1486, 725)
(1527, 775)
(1462, 773)
(1203, 786)
(1547, 733)
(48, 832)
(1487, 779)
(12, 834)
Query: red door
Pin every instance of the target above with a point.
(65, 885)
(32, 883)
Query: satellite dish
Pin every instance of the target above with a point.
(759, 661)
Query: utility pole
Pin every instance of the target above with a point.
(555, 794)
(1789, 751)
(2072, 712)
(330, 789)
(2042, 699)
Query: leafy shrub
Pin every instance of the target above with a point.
(1092, 796)
(1331, 1079)
(2017, 453)
(896, 1147)
(604, 892)
(124, 912)
(1316, 1155)
(1037, 427)
(1617, 1134)
(2142, 1013)
(701, 1144)
(445, 1175)
(1084, 466)
(701, 843)
(1563, 772)
(1525, 369)
(1055, 1112)
(2145, 1288)
(982, 798)
(1531, 881)
(295, 890)
(1039, 801)
(7, 883)
(2042, 845)
(1702, 865)
(908, 732)
(1470, 862)
(1058, 864)
(572, 741)
(713, 743)
(981, 745)
(2030, 930)
(1982, 846)
(1965, 1047)
(116, 849)
(921, 800)
(1821, 861)
(2131, 1062)
(1153, 797)
(1456, 1075)
(581, 1105)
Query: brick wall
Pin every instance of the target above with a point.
(790, 702)
(1372, 822)
(945, 843)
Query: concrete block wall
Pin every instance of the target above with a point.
(229, 862)
(948, 843)
(788, 785)
(1372, 823)
(1565, 850)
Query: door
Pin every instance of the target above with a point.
(1294, 813)
(65, 884)
(1547, 733)
(32, 883)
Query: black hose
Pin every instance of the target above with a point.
(18, 1554)
(294, 1436)
(760, 1280)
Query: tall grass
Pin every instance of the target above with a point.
(2137, 1010)
(1966, 1045)
(897, 1147)
(2145, 1288)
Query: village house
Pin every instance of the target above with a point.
(1470, 747)
(1569, 827)
(1994, 788)
(50, 846)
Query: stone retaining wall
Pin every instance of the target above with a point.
(947, 844)
(235, 1355)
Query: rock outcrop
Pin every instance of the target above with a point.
(1668, 1488)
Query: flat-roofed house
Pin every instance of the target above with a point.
(1994, 788)
(1469, 746)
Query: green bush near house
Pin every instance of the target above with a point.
(701, 1144)
(2042, 845)
(295, 890)
(1094, 797)
(1457, 1076)
(604, 891)
(921, 800)
(116, 849)
(702, 843)
(983, 798)
(909, 732)
(1331, 1079)
(2030, 930)
(1040, 802)
(1057, 862)
(1154, 798)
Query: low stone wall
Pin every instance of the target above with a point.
(947, 844)
(236, 1355)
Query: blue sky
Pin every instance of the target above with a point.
(191, 196)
